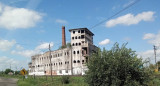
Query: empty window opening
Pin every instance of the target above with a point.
(74, 61)
(78, 61)
(82, 61)
(74, 52)
(82, 31)
(77, 52)
(86, 59)
(79, 37)
(79, 43)
(60, 71)
(82, 36)
(73, 44)
(73, 32)
(76, 37)
(66, 71)
(72, 37)
(78, 31)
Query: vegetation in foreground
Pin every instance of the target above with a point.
(57, 81)
(119, 66)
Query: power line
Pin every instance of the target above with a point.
(115, 14)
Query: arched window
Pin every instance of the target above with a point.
(77, 52)
(76, 44)
(74, 61)
(78, 61)
(79, 37)
(73, 44)
(76, 37)
(74, 52)
(79, 43)
(72, 37)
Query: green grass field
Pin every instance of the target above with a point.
(41, 81)
(57, 80)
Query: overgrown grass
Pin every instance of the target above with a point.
(73, 80)
(41, 81)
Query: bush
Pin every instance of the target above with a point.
(116, 67)
(65, 79)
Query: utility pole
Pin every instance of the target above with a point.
(154, 47)
(50, 61)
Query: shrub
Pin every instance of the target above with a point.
(116, 67)
(65, 79)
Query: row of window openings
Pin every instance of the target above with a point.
(79, 37)
(76, 44)
(79, 31)
(57, 55)
(60, 63)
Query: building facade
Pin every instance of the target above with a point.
(66, 61)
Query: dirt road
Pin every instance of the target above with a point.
(8, 81)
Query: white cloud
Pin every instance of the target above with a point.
(6, 45)
(104, 42)
(61, 21)
(26, 53)
(148, 36)
(44, 46)
(5, 62)
(149, 54)
(153, 39)
(18, 47)
(130, 19)
(37, 50)
(18, 18)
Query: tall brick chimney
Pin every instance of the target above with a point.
(63, 36)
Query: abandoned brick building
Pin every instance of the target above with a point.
(65, 61)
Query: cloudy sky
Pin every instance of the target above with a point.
(28, 26)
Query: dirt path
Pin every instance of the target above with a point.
(8, 81)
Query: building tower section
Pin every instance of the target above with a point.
(82, 46)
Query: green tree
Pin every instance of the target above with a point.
(116, 67)
(8, 70)
(17, 72)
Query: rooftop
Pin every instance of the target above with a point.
(86, 29)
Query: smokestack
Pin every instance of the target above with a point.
(63, 36)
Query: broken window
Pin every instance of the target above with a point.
(82, 36)
(66, 71)
(86, 59)
(72, 37)
(74, 61)
(60, 71)
(77, 52)
(82, 31)
(82, 61)
(73, 32)
(78, 61)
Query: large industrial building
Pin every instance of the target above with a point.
(68, 60)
